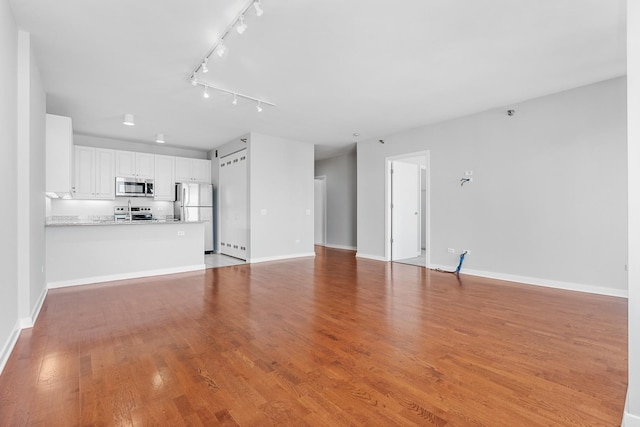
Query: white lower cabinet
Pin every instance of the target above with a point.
(94, 176)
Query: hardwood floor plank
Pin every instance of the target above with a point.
(331, 341)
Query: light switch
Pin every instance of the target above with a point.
(263, 211)
(308, 212)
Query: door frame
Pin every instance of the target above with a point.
(323, 179)
(387, 203)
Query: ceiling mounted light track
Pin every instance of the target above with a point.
(220, 48)
(239, 24)
(259, 102)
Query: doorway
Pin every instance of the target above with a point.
(407, 211)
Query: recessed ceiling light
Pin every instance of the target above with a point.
(128, 120)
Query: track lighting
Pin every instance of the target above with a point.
(221, 49)
(241, 26)
(160, 138)
(236, 96)
(128, 120)
(256, 6)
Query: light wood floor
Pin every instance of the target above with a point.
(329, 341)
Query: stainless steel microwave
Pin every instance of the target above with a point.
(132, 187)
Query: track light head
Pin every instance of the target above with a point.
(128, 120)
(204, 67)
(235, 99)
(241, 26)
(259, 106)
(221, 49)
(194, 81)
(160, 138)
(205, 94)
(256, 6)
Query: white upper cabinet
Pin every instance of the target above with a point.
(193, 170)
(58, 156)
(134, 165)
(94, 176)
(165, 178)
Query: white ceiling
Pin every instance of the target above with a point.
(333, 67)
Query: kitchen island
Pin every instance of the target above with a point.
(79, 252)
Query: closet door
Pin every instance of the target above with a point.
(233, 197)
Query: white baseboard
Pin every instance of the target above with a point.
(374, 257)
(557, 284)
(28, 322)
(630, 420)
(348, 248)
(9, 345)
(281, 257)
(124, 276)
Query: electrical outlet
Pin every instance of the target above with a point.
(468, 251)
(451, 250)
(468, 173)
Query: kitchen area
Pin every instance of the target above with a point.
(116, 214)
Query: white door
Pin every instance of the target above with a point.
(233, 200)
(319, 211)
(405, 210)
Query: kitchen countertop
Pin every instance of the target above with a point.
(75, 221)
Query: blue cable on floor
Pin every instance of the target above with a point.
(461, 261)
(458, 268)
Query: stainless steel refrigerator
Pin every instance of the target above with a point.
(194, 202)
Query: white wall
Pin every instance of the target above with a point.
(280, 184)
(341, 199)
(548, 201)
(632, 410)
(8, 177)
(31, 177)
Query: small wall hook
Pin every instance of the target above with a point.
(464, 180)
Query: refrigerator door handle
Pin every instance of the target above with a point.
(184, 202)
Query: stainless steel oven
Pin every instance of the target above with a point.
(132, 187)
